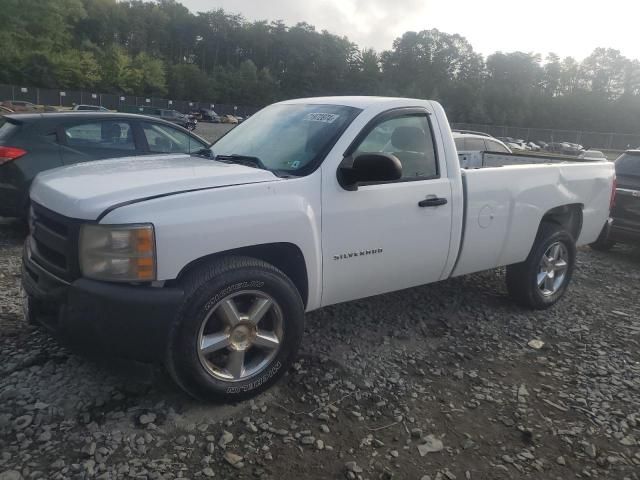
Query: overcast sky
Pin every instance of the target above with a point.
(566, 27)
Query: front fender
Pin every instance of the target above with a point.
(193, 225)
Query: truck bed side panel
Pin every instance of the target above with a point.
(506, 204)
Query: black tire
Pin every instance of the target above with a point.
(522, 278)
(205, 287)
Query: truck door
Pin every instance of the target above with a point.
(393, 235)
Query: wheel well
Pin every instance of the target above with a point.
(568, 216)
(284, 256)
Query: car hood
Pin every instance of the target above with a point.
(86, 190)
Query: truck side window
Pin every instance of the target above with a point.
(408, 138)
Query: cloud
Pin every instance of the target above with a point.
(369, 23)
(567, 27)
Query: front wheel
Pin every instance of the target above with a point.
(542, 279)
(239, 330)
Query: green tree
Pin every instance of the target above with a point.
(77, 69)
(151, 75)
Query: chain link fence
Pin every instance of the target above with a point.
(69, 98)
(594, 140)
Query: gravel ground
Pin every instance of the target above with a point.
(437, 382)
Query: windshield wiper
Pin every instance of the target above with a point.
(247, 160)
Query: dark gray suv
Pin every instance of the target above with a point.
(31, 143)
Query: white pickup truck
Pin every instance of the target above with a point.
(209, 262)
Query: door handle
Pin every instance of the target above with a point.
(432, 202)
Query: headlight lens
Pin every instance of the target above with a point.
(120, 253)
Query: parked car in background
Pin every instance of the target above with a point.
(185, 121)
(173, 116)
(19, 106)
(209, 115)
(469, 141)
(592, 155)
(624, 224)
(564, 148)
(32, 143)
(533, 146)
(573, 149)
(89, 108)
(228, 119)
(554, 147)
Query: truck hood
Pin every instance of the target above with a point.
(86, 190)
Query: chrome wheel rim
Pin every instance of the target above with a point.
(240, 335)
(553, 269)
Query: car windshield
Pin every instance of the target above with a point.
(286, 138)
(628, 164)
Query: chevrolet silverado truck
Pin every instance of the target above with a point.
(208, 262)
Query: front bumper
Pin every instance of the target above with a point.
(129, 321)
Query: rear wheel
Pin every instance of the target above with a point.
(239, 330)
(542, 279)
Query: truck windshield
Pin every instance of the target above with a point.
(292, 138)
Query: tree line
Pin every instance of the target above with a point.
(162, 49)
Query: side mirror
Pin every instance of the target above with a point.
(205, 152)
(368, 168)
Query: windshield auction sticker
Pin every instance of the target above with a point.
(322, 117)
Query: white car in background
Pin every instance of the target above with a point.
(468, 141)
(592, 155)
(90, 108)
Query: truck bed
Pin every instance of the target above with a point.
(493, 159)
(505, 204)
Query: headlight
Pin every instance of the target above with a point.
(120, 253)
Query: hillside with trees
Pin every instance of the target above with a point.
(162, 49)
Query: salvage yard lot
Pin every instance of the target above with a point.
(433, 382)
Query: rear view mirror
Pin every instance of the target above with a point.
(368, 168)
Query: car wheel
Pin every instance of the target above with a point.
(238, 331)
(542, 279)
